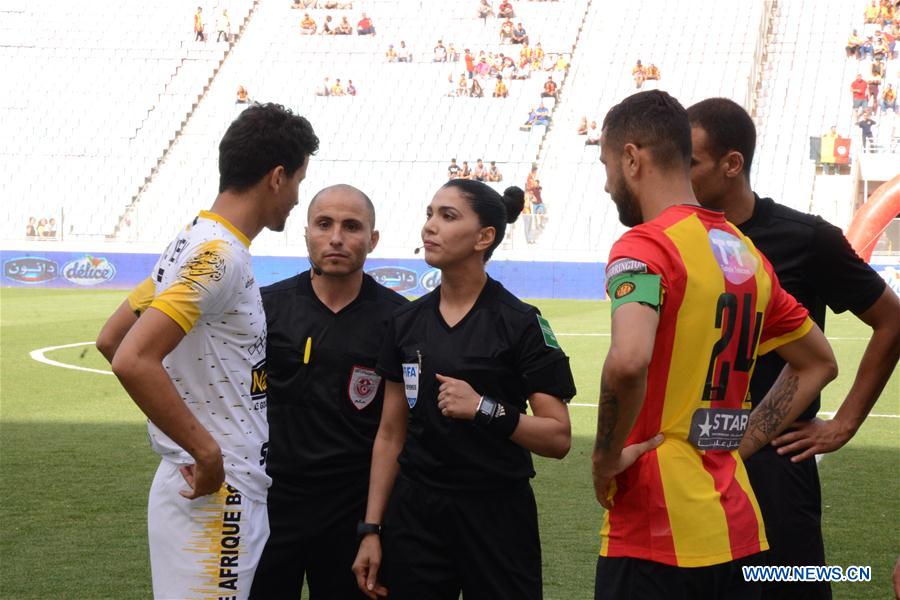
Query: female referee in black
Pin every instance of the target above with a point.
(460, 364)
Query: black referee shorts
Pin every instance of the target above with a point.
(313, 534)
(790, 499)
(622, 578)
(484, 544)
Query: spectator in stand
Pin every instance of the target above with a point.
(462, 87)
(351, 89)
(533, 187)
(365, 26)
(494, 174)
(537, 56)
(871, 13)
(853, 44)
(485, 10)
(593, 135)
(324, 89)
(878, 70)
(199, 36)
(652, 73)
(243, 96)
(865, 124)
(470, 63)
(550, 89)
(333, 4)
(51, 228)
(452, 53)
(859, 87)
(404, 54)
(543, 115)
(482, 69)
(889, 99)
(31, 228)
(337, 89)
(890, 39)
(308, 25)
(506, 31)
(524, 71)
(500, 90)
(583, 126)
(530, 121)
(344, 27)
(886, 11)
(525, 54)
(305, 4)
(326, 26)
(880, 48)
(466, 172)
(562, 64)
(826, 152)
(867, 48)
(453, 169)
(519, 35)
(223, 26)
(476, 91)
(638, 73)
(391, 54)
(872, 94)
(480, 172)
(440, 52)
(41, 230)
(506, 10)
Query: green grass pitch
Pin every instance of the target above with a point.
(75, 464)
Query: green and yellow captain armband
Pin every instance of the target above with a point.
(645, 288)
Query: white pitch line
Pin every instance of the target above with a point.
(38, 355)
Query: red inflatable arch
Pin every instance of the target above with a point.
(873, 217)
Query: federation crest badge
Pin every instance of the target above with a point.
(411, 383)
(363, 386)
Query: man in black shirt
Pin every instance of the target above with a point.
(325, 329)
(818, 267)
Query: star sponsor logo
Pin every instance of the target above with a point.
(363, 386)
(89, 270)
(31, 270)
(718, 428)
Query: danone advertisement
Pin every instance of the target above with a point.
(410, 277)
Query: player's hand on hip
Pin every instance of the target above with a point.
(813, 437)
(606, 469)
(204, 477)
(457, 399)
(366, 565)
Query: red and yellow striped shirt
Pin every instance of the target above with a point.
(722, 306)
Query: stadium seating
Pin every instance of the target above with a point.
(96, 91)
(394, 139)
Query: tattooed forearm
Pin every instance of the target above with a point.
(607, 417)
(768, 418)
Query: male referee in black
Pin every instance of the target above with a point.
(818, 267)
(325, 328)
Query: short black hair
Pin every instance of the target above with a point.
(727, 126)
(493, 210)
(653, 120)
(263, 137)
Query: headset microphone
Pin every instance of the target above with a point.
(419, 249)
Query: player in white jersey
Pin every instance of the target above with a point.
(189, 346)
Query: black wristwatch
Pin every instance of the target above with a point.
(487, 408)
(363, 529)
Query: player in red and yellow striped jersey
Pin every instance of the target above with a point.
(693, 304)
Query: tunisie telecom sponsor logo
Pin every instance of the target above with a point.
(89, 270)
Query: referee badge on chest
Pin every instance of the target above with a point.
(411, 382)
(363, 386)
